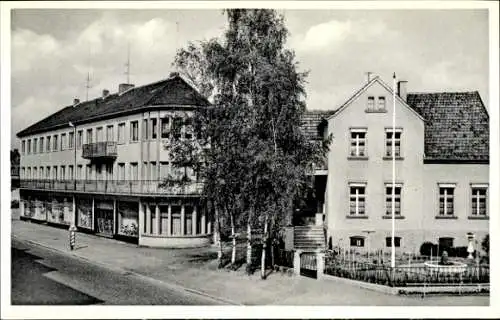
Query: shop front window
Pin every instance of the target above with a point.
(128, 218)
(176, 220)
(188, 216)
(84, 213)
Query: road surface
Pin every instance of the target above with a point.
(44, 277)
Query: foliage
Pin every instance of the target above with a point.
(485, 245)
(428, 248)
(250, 151)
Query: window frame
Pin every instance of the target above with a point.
(397, 143)
(79, 139)
(71, 140)
(388, 212)
(475, 212)
(446, 196)
(55, 143)
(134, 131)
(353, 241)
(397, 242)
(357, 199)
(357, 143)
(120, 136)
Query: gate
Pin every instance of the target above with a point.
(309, 265)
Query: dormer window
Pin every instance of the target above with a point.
(376, 104)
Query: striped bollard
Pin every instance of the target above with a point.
(72, 237)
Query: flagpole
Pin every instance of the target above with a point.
(393, 248)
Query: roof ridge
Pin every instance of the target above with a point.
(442, 92)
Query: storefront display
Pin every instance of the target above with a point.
(104, 216)
(39, 210)
(29, 210)
(57, 212)
(128, 218)
(84, 213)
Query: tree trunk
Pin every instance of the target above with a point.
(249, 245)
(233, 235)
(217, 236)
(264, 247)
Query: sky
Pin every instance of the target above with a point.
(53, 50)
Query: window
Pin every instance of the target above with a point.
(79, 139)
(121, 171)
(446, 200)
(165, 128)
(29, 172)
(70, 172)
(134, 171)
(388, 200)
(55, 144)
(176, 220)
(23, 172)
(88, 173)
(63, 172)
(153, 171)
(79, 172)
(163, 170)
(121, 132)
(109, 171)
(64, 142)
(163, 218)
(35, 173)
(134, 131)
(23, 147)
(42, 144)
(89, 135)
(35, 145)
(397, 242)
(357, 199)
(371, 103)
(357, 241)
(48, 144)
(358, 143)
(110, 135)
(29, 146)
(389, 135)
(154, 128)
(98, 171)
(479, 200)
(177, 127)
(41, 173)
(71, 140)
(381, 103)
(99, 137)
(188, 128)
(48, 172)
(145, 133)
(54, 172)
(188, 218)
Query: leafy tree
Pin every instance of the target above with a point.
(253, 158)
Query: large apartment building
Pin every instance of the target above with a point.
(441, 173)
(100, 165)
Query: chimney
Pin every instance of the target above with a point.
(122, 87)
(76, 101)
(174, 74)
(402, 89)
(368, 76)
(105, 93)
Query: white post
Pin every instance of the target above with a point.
(183, 220)
(194, 221)
(169, 227)
(149, 225)
(203, 222)
(393, 248)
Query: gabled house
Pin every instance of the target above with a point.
(441, 172)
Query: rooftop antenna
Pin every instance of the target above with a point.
(87, 83)
(369, 76)
(127, 64)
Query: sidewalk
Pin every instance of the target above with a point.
(194, 269)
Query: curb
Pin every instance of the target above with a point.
(124, 271)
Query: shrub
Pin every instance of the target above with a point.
(427, 248)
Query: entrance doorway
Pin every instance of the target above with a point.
(308, 265)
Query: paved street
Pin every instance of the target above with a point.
(41, 276)
(194, 269)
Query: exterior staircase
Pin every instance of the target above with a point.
(309, 238)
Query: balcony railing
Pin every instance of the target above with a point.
(130, 187)
(97, 150)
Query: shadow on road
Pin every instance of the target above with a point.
(30, 286)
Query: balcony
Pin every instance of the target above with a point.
(112, 187)
(99, 150)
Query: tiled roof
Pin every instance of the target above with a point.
(456, 126)
(311, 121)
(174, 91)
